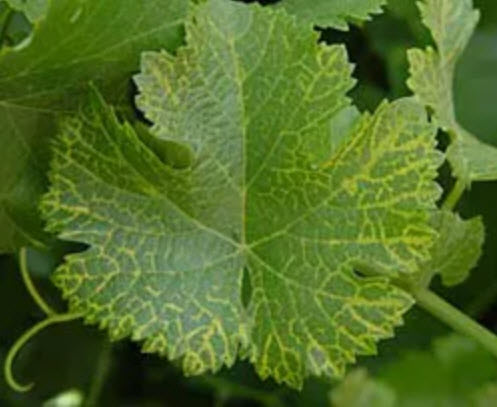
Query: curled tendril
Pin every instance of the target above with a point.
(37, 298)
(51, 319)
(23, 339)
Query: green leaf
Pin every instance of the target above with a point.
(263, 196)
(333, 13)
(358, 389)
(476, 81)
(14, 27)
(458, 247)
(486, 396)
(79, 41)
(455, 373)
(447, 375)
(432, 79)
(33, 9)
(21, 167)
(68, 398)
(471, 159)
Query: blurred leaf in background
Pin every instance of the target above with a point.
(358, 389)
(455, 373)
(14, 26)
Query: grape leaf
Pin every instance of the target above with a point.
(471, 159)
(333, 13)
(458, 247)
(34, 10)
(358, 389)
(78, 41)
(432, 75)
(169, 247)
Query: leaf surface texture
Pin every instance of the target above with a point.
(270, 192)
(333, 13)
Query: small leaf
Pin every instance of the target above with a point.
(333, 13)
(451, 23)
(34, 10)
(68, 398)
(358, 389)
(14, 26)
(267, 192)
(472, 159)
(458, 247)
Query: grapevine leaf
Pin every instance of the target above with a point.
(333, 13)
(432, 75)
(458, 247)
(358, 389)
(33, 9)
(471, 159)
(49, 75)
(263, 196)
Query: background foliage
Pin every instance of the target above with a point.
(422, 366)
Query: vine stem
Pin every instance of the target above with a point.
(454, 195)
(38, 299)
(456, 319)
(25, 337)
(101, 371)
(226, 388)
(52, 318)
